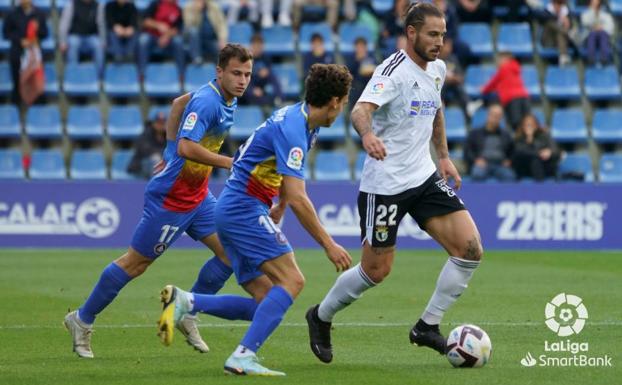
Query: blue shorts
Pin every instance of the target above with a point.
(248, 234)
(159, 228)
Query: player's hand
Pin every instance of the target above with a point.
(447, 170)
(339, 257)
(158, 167)
(277, 211)
(373, 146)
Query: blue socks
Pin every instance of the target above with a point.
(268, 316)
(111, 281)
(212, 277)
(231, 307)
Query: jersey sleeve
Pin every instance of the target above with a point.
(200, 115)
(290, 150)
(380, 90)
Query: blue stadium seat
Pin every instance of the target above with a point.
(5, 44)
(120, 161)
(245, 120)
(6, 84)
(309, 29)
(162, 80)
(568, 125)
(349, 32)
(478, 37)
(287, 75)
(278, 41)
(43, 5)
(562, 83)
(5, 5)
(52, 86)
(607, 126)
(85, 122)
(121, 80)
(10, 126)
(382, 6)
(331, 165)
(515, 38)
(334, 133)
(529, 73)
(87, 164)
(141, 5)
(124, 122)
(358, 165)
(198, 75)
(455, 125)
(81, 80)
(577, 163)
(611, 168)
(43, 122)
(48, 45)
(476, 77)
(616, 7)
(602, 83)
(241, 33)
(11, 166)
(47, 164)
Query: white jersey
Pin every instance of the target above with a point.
(407, 98)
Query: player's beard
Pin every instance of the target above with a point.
(420, 51)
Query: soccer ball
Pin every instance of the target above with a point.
(468, 346)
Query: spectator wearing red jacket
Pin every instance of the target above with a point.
(509, 86)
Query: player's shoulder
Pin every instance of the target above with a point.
(439, 66)
(392, 66)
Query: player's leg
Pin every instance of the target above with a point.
(380, 217)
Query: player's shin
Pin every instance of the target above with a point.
(212, 277)
(231, 307)
(111, 281)
(348, 288)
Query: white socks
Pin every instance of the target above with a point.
(347, 289)
(451, 283)
(242, 351)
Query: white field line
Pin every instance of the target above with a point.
(300, 324)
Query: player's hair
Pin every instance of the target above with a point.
(231, 51)
(417, 12)
(326, 81)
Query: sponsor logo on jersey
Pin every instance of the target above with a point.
(377, 89)
(190, 121)
(294, 160)
(416, 85)
(382, 233)
(423, 108)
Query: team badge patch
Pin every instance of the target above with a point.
(190, 121)
(294, 160)
(280, 238)
(377, 89)
(382, 233)
(159, 248)
(437, 83)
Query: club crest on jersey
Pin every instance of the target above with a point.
(159, 248)
(190, 121)
(280, 238)
(377, 89)
(294, 160)
(382, 233)
(437, 83)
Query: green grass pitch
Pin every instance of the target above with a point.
(506, 298)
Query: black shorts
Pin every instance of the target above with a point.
(382, 214)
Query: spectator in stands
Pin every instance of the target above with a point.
(14, 30)
(148, 147)
(206, 27)
(393, 25)
(251, 8)
(459, 48)
(318, 53)
(332, 11)
(557, 29)
(488, 151)
(509, 86)
(122, 26)
(362, 65)
(598, 28)
(474, 11)
(82, 29)
(163, 25)
(264, 89)
(535, 153)
(453, 88)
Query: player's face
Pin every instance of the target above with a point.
(335, 107)
(235, 77)
(428, 41)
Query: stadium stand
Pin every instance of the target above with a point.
(245, 121)
(606, 126)
(568, 125)
(43, 122)
(80, 80)
(515, 38)
(11, 166)
(120, 161)
(331, 166)
(87, 164)
(479, 38)
(611, 168)
(84, 122)
(10, 126)
(121, 80)
(47, 164)
(124, 122)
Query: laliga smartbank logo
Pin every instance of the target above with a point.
(566, 315)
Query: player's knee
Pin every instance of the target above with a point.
(378, 272)
(473, 250)
(133, 263)
(295, 285)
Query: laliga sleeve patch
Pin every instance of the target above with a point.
(294, 160)
(377, 89)
(190, 121)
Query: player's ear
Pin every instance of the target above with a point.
(219, 72)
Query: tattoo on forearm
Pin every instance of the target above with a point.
(438, 135)
(361, 121)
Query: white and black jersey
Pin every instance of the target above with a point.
(408, 98)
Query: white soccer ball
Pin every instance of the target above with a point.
(468, 346)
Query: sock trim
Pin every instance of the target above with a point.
(365, 277)
(467, 264)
